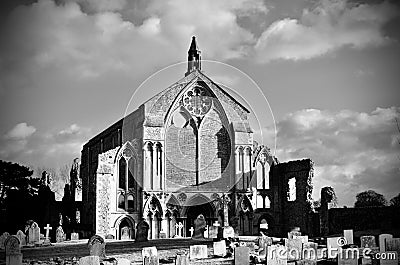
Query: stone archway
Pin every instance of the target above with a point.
(266, 220)
(126, 229)
(193, 212)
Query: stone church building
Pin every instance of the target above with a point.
(187, 151)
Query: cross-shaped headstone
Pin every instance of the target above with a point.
(180, 226)
(191, 231)
(48, 228)
(216, 223)
(176, 229)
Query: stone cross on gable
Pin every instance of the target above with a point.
(191, 231)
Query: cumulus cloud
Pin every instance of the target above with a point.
(20, 131)
(330, 25)
(353, 151)
(50, 149)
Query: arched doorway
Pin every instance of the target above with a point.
(194, 211)
(126, 229)
(266, 223)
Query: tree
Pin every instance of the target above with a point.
(395, 201)
(16, 177)
(370, 198)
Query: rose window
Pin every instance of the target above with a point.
(196, 101)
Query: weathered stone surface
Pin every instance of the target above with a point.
(198, 252)
(89, 260)
(199, 227)
(150, 256)
(22, 237)
(348, 235)
(242, 255)
(367, 241)
(219, 248)
(382, 241)
(97, 246)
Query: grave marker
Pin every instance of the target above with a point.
(89, 260)
(191, 231)
(213, 232)
(47, 238)
(390, 258)
(33, 233)
(13, 251)
(22, 238)
(242, 256)
(123, 261)
(60, 234)
(295, 248)
(3, 239)
(125, 233)
(310, 251)
(348, 235)
(277, 255)
(198, 252)
(333, 246)
(149, 256)
(74, 236)
(97, 246)
(228, 232)
(382, 241)
(348, 257)
(219, 248)
(368, 242)
(393, 245)
(182, 259)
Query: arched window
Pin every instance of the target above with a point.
(267, 202)
(259, 203)
(121, 201)
(291, 196)
(122, 173)
(131, 202)
(131, 174)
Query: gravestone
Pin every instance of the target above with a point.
(162, 234)
(304, 239)
(228, 232)
(142, 232)
(382, 241)
(150, 256)
(47, 237)
(212, 231)
(3, 239)
(60, 234)
(191, 230)
(198, 252)
(22, 238)
(74, 236)
(199, 227)
(295, 248)
(125, 233)
(13, 251)
(123, 261)
(348, 235)
(294, 232)
(348, 257)
(242, 256)
(310, 251)
(89, 260)
(219, 248)
(367, 242)
(206, 232)
(97, 246)
(393, 245)
(33, 234)
(390, 258)
(263, 243)
(179, 230)
(333, 246)
(182, 259)
(277, 255)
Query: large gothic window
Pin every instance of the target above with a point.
(127, 185)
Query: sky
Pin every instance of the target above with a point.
(328, 69)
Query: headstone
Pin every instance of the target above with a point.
(182, 259)
(212, 231)
(348, 257)
(294, 232)
(242, 256)
(89, 260)
(229, 232)
(47, 238)
(125, 233)
(13, 251)
(304, 239)
(277, 255)
(310, 251)
(97, 246)
(142, 232)
(263, 243)
(162, 234)
(220, 248)
(348, 235)
(60, 234)
(74, 236)
(22, 238)
(198, 252)
(199, 227)
(295, 248)
(382, 241)
(179, 229)
(33, 233)
(389, 258)
(149, 256)
(206, 232)
(191, 231)
(123, 261)
(393, 245)
(367, 242)
(334, 247)
(3, 239)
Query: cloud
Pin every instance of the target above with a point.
(49, 149)
(353, 151)
(332, 24)
(20, 131)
